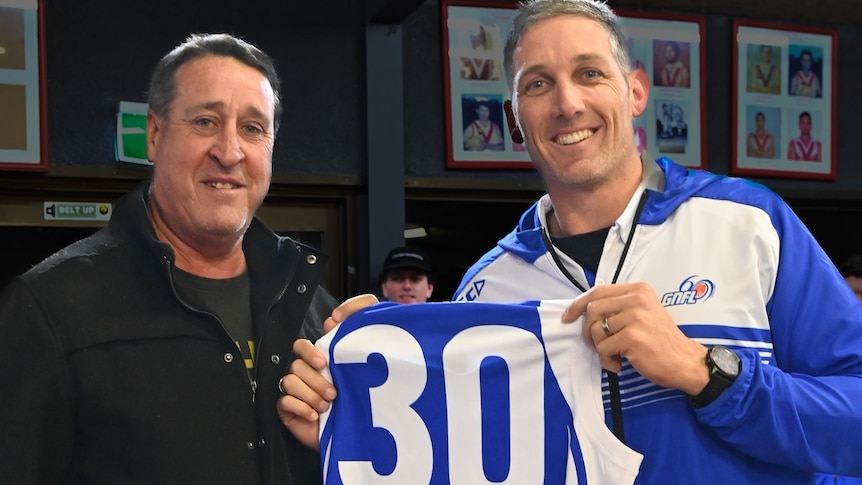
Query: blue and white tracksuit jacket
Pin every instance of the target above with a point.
(732, 265)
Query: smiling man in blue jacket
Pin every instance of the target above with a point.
(731, 345)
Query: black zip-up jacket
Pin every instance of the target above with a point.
(108, 377)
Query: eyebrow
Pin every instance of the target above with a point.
(219, 105)
(579, 59)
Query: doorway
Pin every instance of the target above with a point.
(459, 231)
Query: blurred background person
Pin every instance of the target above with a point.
(407, 276)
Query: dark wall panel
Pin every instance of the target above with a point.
(100, 52)
(424, 124)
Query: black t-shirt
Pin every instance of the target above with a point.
(229, 299)
(585, 249)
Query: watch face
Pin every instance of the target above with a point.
(725, 360)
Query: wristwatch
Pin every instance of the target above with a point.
(724, 366)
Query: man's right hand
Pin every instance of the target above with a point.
(307, 392)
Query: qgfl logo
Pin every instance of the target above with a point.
(690, 292)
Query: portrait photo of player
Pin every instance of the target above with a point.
(764, 131)
(806, 68)
(764, 69)
(671, 60)
(805, 147)
(483, 118)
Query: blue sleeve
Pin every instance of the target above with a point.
(464, 290)
(805, 411)
(823, 479)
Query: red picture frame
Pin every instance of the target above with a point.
(474, 33)
(23, 129)
(475, 88)
(784, 100)
(674, 122)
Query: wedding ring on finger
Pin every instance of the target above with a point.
(605, 327)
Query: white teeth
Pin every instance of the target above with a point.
(222, 185)
(574, 137)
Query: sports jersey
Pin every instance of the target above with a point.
(807, 150)
(806, 84)
(765, 78)
(760, 285)
(466, 393)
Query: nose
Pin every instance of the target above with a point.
(569, 100)
(227, 147)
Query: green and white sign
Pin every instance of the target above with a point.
(131, 141)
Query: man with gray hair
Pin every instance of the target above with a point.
(152, 351)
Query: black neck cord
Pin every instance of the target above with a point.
(613, 379)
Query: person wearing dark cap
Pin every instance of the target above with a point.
(407, 276)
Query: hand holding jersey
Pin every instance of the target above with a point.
(640, 328)
(305, 391)
(467, 393)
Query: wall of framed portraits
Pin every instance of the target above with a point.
(425, 109)
(826, 206)
(89, 71)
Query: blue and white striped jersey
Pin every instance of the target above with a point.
(467, 393)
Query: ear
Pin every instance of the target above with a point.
(639, 91)
(514, 131)
(153, 133)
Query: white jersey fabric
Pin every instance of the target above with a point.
(451, 393)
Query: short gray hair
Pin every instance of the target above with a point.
(532, 11)
(164, 79)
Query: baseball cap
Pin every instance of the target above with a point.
(407, 257)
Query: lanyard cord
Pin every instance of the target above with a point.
(613, 379)
(556, 258)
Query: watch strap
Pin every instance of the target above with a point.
(710, 393)
(718, 381)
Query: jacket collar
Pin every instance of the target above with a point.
(270, 263)
(526, 239)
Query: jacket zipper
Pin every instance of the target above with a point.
(272, 305)
(252, 382)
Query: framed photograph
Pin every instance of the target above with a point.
(23, 139)
(784, 92)
(474, 33)
(670, 48)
